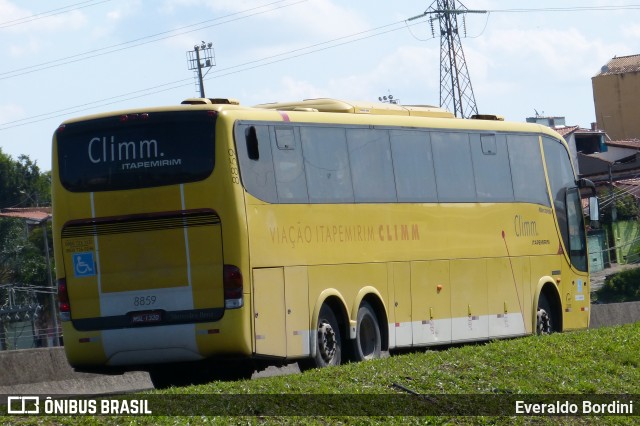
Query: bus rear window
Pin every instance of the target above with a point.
(136, 151)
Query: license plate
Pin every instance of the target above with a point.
(146, 317)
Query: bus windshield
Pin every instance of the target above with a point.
(136, 151)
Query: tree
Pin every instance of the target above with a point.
(22, 184)
(23, 264)
(626, 206)
(9, 191)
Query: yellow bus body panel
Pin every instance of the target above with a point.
(442, 272)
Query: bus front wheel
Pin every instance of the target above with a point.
(544, 318)
(328, 342)
(368, 342)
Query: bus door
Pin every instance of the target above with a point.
(575, 286)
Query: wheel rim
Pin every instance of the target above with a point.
(368, 337)
(544, 322)
(326, 341)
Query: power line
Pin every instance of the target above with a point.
(50, 13)
(94, 104)
(141, 41)
(163, 35)
(569, 9)
(314, 48)
(250, 65)
(223, 72)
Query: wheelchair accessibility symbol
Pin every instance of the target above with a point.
(83, 264)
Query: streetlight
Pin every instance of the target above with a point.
(202, 56)
(388, 99)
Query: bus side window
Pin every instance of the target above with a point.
(491, 168)
(371, 166)
(255, 160)
(288, 165)
(453, 166)
(252, 143)
(527, 171)
(326, 164)
(413, 166)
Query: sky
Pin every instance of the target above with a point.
(61, 59)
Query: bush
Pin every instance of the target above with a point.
(626, 206)
(621, 287)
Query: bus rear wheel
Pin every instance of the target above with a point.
(328, 342)
(368, 342)
(544, 318)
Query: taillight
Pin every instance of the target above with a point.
(133, 117)
(63, 300)
(232, 284)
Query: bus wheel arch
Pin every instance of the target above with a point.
(371, 296)
(369, 299)
(368, 341)
(547, 313)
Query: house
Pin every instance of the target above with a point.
(620, 160)
(616, 96)
(583, 141)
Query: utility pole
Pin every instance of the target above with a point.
(202, 56)
(456, 92)
(52, 297)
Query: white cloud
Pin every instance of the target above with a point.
(169, 7)
(309, 18)
(632, 31)
(19, 21)
(292, 89)
(10, 112)
(26, 47)
(113, 18)
(11, 13)
(124, 10)
(545, 53)
(408, 73)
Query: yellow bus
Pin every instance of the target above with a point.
(318, 231)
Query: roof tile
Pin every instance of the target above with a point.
(631, 144)
(621, 65)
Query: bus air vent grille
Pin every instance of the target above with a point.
(141, 223)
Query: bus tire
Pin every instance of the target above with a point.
(544, 318)
(328, 342)
(368, 341)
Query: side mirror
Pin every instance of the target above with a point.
(587, 184)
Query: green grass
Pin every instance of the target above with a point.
(569, 366)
